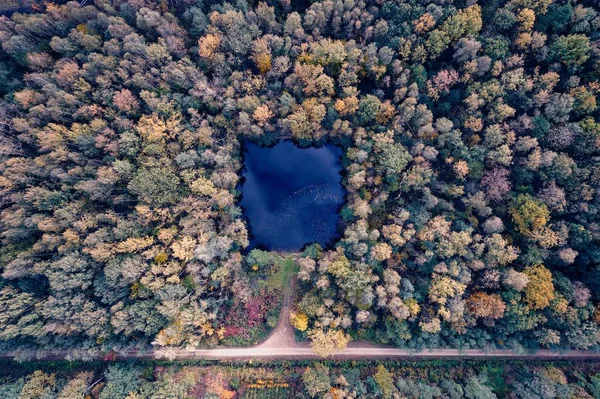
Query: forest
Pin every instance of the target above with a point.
(471, 167)
(409, 380)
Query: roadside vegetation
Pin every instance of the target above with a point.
(386, 380)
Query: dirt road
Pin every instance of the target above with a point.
(301, 351)
(283, 334)
(281, 345)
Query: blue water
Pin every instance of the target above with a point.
(291, 195)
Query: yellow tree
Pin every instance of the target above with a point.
(299, 321)
(540, 290)
(208, 45)
(38, 385)
(327, 343)
(531, 218)
(385, 381)
(261, 55)
(75, 387)
(183, 249)
(444, 287)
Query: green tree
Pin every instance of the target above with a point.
(571, 50)
(156, 186)
(121, 380)
(262, 258)
(394, 159)
(529, 214)
(316, 379)
(476, 388)
(466, 22)
(368, 108)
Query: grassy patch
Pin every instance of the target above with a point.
(282, 273)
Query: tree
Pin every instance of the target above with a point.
(466, 49)
(539, 291)
(556, 18)
(526, 19)
(176, 386)
(121, 380)
(444, 287)
(417, 389)
(385, 381)
(571, 50)
(262, 114)
(558, 108)
(529, 215)
(381, 252)
(157, 186)
(70, 273)
(327, 343)
(300, 126)
(15, 316)
(553, 196)
(452, 389)
(585, 336)
(299, 321)
(486, 305)
(316, 379)
(307, 266)
(261, 55)
(466, 22)
(496, 184)
(262, 259)
(368, 108)
(183, 249)
(76, 387)
(208, 45)
(476, 388)
(125, 101)
(394, 159)
(516, 280)
(39, 385)
(493, 225)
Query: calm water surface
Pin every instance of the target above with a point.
(291, 195)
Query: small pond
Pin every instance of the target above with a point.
(291, 195)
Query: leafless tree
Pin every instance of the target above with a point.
(9, 145)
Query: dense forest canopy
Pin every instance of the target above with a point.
(471, 162)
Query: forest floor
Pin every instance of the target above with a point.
(281, 345)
